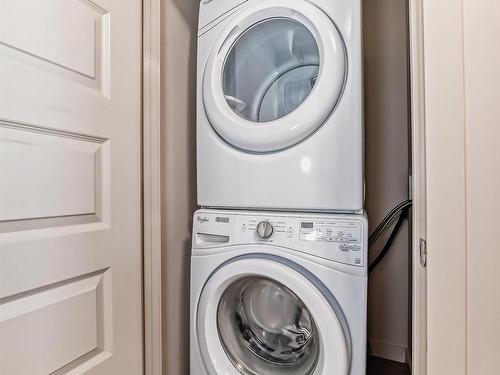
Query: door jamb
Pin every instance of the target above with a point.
(419, 219)
(152, 188)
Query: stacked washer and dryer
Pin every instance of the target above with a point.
(279, 255)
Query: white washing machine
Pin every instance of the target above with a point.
(275, 293)
(279, 105)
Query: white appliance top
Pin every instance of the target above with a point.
(210, 10)
(341, 237)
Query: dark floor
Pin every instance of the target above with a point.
(378, 366)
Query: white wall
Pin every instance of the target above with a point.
(482, 118)
(387, 168)
(462, 66)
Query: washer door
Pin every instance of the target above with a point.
(274, 76)
(264, 315)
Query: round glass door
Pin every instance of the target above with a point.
(270, 70)
(266, 329)
(274, 76)
(261, 314)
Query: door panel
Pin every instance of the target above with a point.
(71, 161)
(66, 38)
(70, 234)
(46, 38)
(72, 312)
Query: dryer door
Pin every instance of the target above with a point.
(262, 314)
(274, 76)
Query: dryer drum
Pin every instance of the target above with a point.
(270, 70)
(265, 328)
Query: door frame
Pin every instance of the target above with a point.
(152, 188)
(418, 359)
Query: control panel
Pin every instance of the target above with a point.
(346, 234)
(340, 238)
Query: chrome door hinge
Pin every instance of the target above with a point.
(423, 252)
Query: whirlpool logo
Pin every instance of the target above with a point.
(202, 219)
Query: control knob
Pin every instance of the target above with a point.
(265, 230)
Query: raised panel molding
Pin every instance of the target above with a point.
(47, 173)
(68, 35)
(59, 327)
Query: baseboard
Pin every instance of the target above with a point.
(409, 359)
(387, 351)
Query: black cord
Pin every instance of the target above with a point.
(387, 221)
(405, 207)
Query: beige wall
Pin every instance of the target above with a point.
(179, 24)
(386, 144)
(462, 67)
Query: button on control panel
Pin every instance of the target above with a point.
(265, 230)
(331, 232)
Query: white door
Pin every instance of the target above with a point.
(70, 235)
(257, 315)
(274, 76)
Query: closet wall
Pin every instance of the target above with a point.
(386, 170)
(178, 71)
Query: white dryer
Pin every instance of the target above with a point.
(275, 293)
(279, 105)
